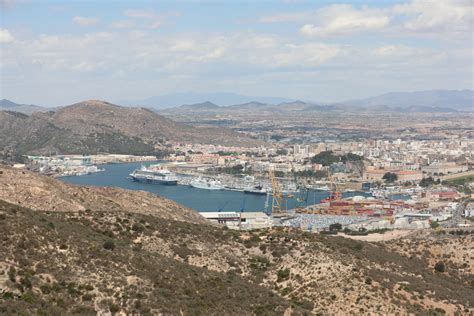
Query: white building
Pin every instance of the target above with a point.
(239, 220)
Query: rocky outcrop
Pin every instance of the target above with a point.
(38, 192)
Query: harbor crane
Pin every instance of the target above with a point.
(302, 191)
(278, 196)
(334, 193)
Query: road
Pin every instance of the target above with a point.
(457, 216)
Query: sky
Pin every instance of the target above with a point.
(56, 53)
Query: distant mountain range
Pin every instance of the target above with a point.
(418, 101)
(22, 108)
(438, 101)
(177, 99)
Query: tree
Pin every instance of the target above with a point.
(426, 182)
(282, 152)
(335, 227)
(440, 267)
(351, 157)
(325, 158)
(390, 177)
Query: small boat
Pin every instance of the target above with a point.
(258, 189)
(206, 184)
(322, 188)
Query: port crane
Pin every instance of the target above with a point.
(302, 191)
(334, 193)
(279, 206)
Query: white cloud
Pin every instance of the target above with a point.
(395, 51)
(309, 54)
(8, 4)
(182, 45)
(156, 24)
(122, 24)
(228, 60)
(345, 19)
(139, 13)
(83, 20)
(417, 16)
(437, 16)
(286, 17)
(6, 36)
(155, 20)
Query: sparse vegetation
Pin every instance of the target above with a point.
(429, 181)
(327, 158)
(109, 245)
(390, 177)
(283, 275)
(195, 268)
(335, 227)
(439, 266)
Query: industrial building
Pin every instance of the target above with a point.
(240, 220)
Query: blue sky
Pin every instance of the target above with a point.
(60, 52)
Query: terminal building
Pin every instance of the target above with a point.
(239, 220)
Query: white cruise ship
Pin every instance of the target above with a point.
(154, 175)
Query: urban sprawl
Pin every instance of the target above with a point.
(404, 184)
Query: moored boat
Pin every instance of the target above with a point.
(206, 184)
(258, 189)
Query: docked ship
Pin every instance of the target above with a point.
(258, 189)
(154, 175)
(206, 183)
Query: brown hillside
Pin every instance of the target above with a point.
(100, 116)
(44, 193)
(95, 127)
(134, 253)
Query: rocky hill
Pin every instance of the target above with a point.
(97, 126)
(141, 259)
(8, 105)
(49, 194)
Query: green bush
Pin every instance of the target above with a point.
(88, 287)
(335, 227)
(45, 289)
(114, 308)
(87, 297)
(12, 274)
(440, 267)
(28, 297)
(358, 246)
(283, 275)
(109, 245)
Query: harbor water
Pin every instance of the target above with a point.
(116, 175)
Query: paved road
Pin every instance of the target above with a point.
(457, 216)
